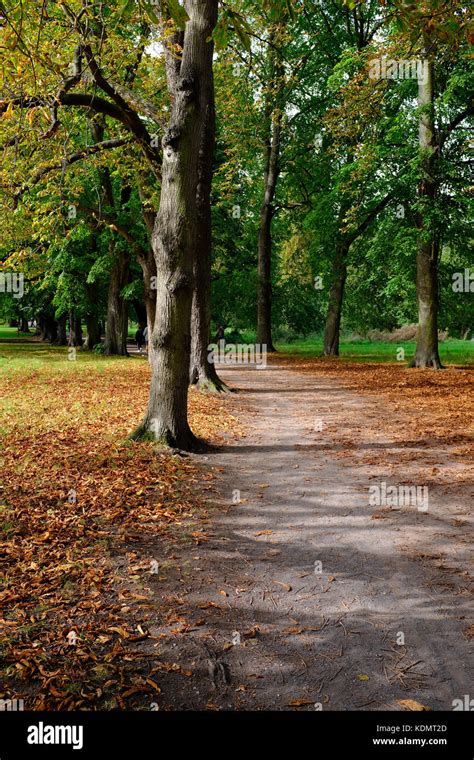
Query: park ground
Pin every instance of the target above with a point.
(257, 575)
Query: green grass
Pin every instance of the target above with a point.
(452, 351)
(12, 332)
(17, 356)
(24, 354)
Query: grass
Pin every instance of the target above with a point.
(12, 332)
(452, 351)
(18, 356)
(23, 355)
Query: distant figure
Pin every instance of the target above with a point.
(220, 334)
(140, 339)
(145, 338)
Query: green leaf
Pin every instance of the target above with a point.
(221, 35)
(178, 13)
(126, 9)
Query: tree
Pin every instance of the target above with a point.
(174, 237)
(174, 234)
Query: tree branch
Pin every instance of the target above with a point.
(72, 159)
(444, 133)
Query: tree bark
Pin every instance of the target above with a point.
(427, 351)
(336, 298)
(116, 331)
(75, 330)
(146, 259)
(61, 339)
(24, 325)
(274, 116)
(93, 331)
(148, 265)
(202, 372)
(174, 238)
(49, 329)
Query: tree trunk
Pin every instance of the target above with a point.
(140, 311)
(75, 330)
(427, 352)
(274, 115)
(202, 372)
(174, 238)
(336, 298)
(61, 339)
(148, 266)
(116, 331)
(24, 325)
(147, 260)
(264, 305)
(49, 328)
(93, 331)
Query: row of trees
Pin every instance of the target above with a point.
(316, 173)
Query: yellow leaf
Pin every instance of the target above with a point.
(411, 704)
(362, 677)
(9, 112)
(300, 702)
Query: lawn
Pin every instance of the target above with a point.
(452, 351)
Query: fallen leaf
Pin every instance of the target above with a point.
(412, 704)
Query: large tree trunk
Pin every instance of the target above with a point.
(427, 352)
(49, 329)
(116, 331)
(336, 298)
(174, 238)
(202, 372)
(274, 117)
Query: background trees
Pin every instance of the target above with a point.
(190, 165)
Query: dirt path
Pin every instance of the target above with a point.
(306, 595)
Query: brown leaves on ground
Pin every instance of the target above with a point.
(432, 403)
(76, 499)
